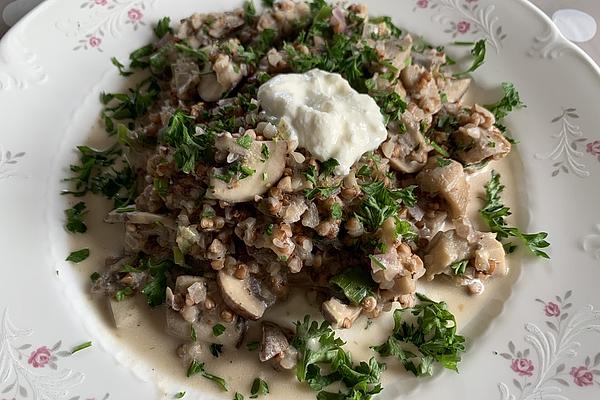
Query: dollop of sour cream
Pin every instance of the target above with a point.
(325, 114)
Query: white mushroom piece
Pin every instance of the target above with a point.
(478, 138)
(485, 254)
(139, 218)
(407, 151)
(266, 170)
(225, 76)
(192, 309)
(340, 315)
(246, 297)
(275, 347)
(446, 178)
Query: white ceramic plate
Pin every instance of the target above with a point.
(537, 336)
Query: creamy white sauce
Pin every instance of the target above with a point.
(145, 342)
(325, 114)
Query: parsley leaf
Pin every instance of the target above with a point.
(317, 344)
(78, 256)
(245, 141)
(478, 53)
(155, 287)
(193, 333)
(122, 294)
(238, 396)
(251, 346)
(81, 347)
(459, 267)
(249, 10)
(218, 329)
(216, 349)
(128, 106)
(198, 368)
(380, 203)
(180, 395)
(190, 148)
(267, 3)
(120, 67)
(336, 211)
(163, 27)
(264, 152)
(327, 167)
(355, 283)
(510, 101)
(495, 213)
(75, 216)
(259, 388)
(432, 332)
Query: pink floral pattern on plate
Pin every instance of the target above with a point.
(554, 350)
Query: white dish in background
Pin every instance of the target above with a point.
(534, 338)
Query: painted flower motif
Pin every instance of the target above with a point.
(552, 309)
(471, 1)
(463, 26)
(582, 376)
(40, 357)
(593, 148)
(134, 14)
(422, 3)
(94, 41)
(101, 2)
(522, 366)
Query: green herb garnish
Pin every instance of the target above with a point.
(459, 267)
(495, 213)
(122, 294)
(218, 329)
(478, 53)
(198, 368)
(251, 346)
(75, 216)
(78, 256)
(245, 141)
(380, 203)
(81, 347)
(216, 349)
(510, 101)
(432, 332)
(163, 27)
(355, 283)
(259, 388)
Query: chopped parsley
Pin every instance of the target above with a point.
(216, 349)
(355, 283)
(163, 27)
(443, 162)
(193, 333)
(75, 216)
(249, 10)
(218, 329)
(78, 256)
(432, 332)
(156, 284)
(245, 141)
(196, 368)
(364, 170)
(264, 152)
(380, 203)
(120, 67)
(161, 186)
(190, 148)
(81, 347)
(122, 294)
(129, 106)
(459, 267)
(235, 170)
(494, 213)
(238, 396)
(478, 53)
(95, 276)
(252, 346)
(180, 395)
(327, 167)
(259, 388)
(336, 211)
(318, 346)
(510, 101)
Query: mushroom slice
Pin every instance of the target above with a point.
(203, 327)
(490, 255)
(447, 180)
(209, 87)
(246, 297)
(340, 315)
(409, 150)
(273, 342)
(265, 173)
(454, 89)
(445, 248)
